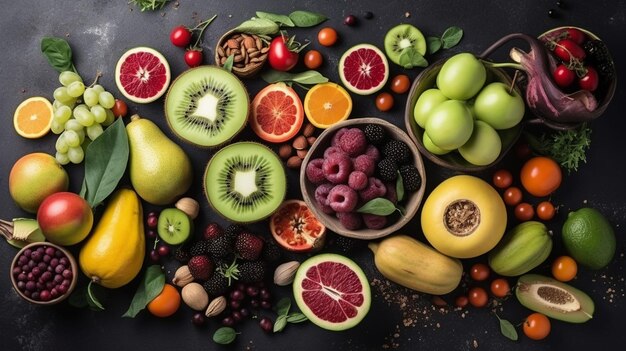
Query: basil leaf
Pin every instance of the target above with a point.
(378, 206)
(105, 162)
(409, 58)
(228, 65)
(507, 329)
(399, 187)
(307, 77)
(282, 307)
(58, 53)
(92, 299)
(79, 298)
(451, 37)
(259, 26)
(224, 335)
(433, 44)
(306, 18)
(150, 287)
(296, 317)
(280, 324)
(281, 19)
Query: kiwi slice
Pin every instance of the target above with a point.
(206, 106)
(174, 226)
(401, 37)
(245, 182)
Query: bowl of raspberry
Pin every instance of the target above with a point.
(44, 273)
(363, 178)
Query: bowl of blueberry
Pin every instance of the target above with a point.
(363, 178)
(44, 273)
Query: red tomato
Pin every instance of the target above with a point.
(502, 179)
(384, 102)
(400, 84)
(590, 80)
(567, 49)
(563, 76)
(541, 176)
(313, 59)
(480, 272)
(281, 56)
(537, 326)
(564, 268)
(461, 301)
(576, 35)
(119, 109)
(327, 36)
(500, 287)
(193, 58)
(180, 36)
(524, 212)
(545, 210)
(512, 196)
(478, 297)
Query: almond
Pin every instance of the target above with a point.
(195, 296)
(300, 143)
(294, 162)
(302, 153)
(311, 140)
(308, 130)
(285, 273)
(182, 276)
(216, 306)
(232, 43)
(284, 151)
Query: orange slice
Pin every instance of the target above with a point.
(33, 117)
(326, 104)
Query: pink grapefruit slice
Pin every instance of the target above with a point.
(332, 291)
(363, 69)
(277, 113)
(142, 75)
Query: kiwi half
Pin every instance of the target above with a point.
(245, 182)
(174, 226)
(401, 37)
(206, 106)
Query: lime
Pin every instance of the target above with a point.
(589, 238)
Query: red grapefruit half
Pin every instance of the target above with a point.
(363, 69)
(142, 75)
(332, 291)
(295, 227)
(277, 113)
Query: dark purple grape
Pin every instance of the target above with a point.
(244, 312)
(25, 268)
(50, 251)
(59, 254)
(21, 286)
(42, 266)
(36, 256)
(198, 319)
(234, 304)
(22, 260)
(58, 279)
(30, 276)
(252, 291)
(265, 294)
(237, 295)
(36, 271)
(228, 322)
(27, 253)
(35, 295)
(254, 303)
(350, 20)
(266, 324)
(64, 261)
(22, 277)
(67, 274)
(54, 262)
(151, 234)
(62, 289)
(154, 256)
(30, 286)
(266, 304)
(66, 282)
(54, 293)
(152, 221)
(44, 295)
(163, 250)
(237, 317)
(46, 276)
(32, 264)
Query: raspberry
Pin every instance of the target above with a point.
(391, 195)
(333, 149)
(410, 178)
(387, 170)
(337, 168)
(314, 172)
(375, 188)
(375, 134)
(350, 220)
(373, 152)
(357, 180)
(201, 267)
(373, 221)
(397, 151)
(353, 142)
(365, 164)
(335, 140)
(342, 198)
(212, 231)
(321, 196)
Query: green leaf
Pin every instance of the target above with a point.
(280, 324)
(306, 18)
(83, 189)
(283, 306)
(281, 19)
(378, 206)
(149, 288)
(224, 335)
(451, 37)
(259, 26)
(296, 317)
(92, 299)
(149, 5)
(310, 77)
(409, 58)
(507, 329)
(58, 53)
(105, 162)
(399, 187)
(228, 65)
(433, 44)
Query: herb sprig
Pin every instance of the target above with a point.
(567, 147)
(149, 5)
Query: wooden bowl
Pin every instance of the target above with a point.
(411, 202)
(73, 266)
(250, 70)
(453, 160)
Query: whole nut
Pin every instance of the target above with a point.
(294, 162)
(311, 140)
(308, 130)
(285, 273)
(182, 276)
(195, 296)
(232, 43)
(284, 151)
(300, 143)
(249, 42)
(302, 153)
(188, 205)
(217, 306)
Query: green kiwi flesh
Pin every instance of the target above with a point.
(206, 106)
(245, 182)
(174, 226)
(403, 36)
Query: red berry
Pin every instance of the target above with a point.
(563, 76)
(193, 58)
(163, 250)
(212, 231)
(590, 80)
(576, 35)
(154, 256)
(152, 221)
(350, 20)
(180, 36)
(198, 319)
(567, 49)
(266, 324)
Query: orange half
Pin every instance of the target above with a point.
(326, 104)
(33, 117)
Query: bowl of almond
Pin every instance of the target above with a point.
(249, 53)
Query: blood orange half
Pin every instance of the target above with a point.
(277, 113)
(142, 74)
(363, 69)
(332, 291)
(296, 228)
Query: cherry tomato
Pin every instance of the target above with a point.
(461, 301)
(119, 109)
(384, 102)
(400, 84)
(480, 272)
(541, 176)
(563, 76)
(281, 56)
(180, 36)
(576, 35)
(478, 297)
(327, 36)
(193, 58)
(590, 80)
(500, 287)
(524, 212)
(313, 59)
(512, 196)
(537, 326)
(502, 179)
(564, 268)
(545, 210)
(567, 49)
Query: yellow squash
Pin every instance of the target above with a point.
(114, 253)
(415, 265)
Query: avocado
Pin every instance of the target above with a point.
(554, 299)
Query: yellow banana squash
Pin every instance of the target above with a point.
(114, 253)
(415, 265)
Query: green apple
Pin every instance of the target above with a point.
(431, 147)
(498, 107)
(484, 145)
(425, 104)
(450, 124)
(461, 77)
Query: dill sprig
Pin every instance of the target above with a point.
(567, 147)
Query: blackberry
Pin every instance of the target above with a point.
(387, 170)
(233, 230)
(200, 248)
(411, 178)
(344, 244)
(181, 254)
(251, 271)
(375, 134)
(397, 150)
(271, 252)
(599, 55)
(221, 246)
(216, 286)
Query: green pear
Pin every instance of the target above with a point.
(160, 171)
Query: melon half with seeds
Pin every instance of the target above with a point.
(142, 75)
